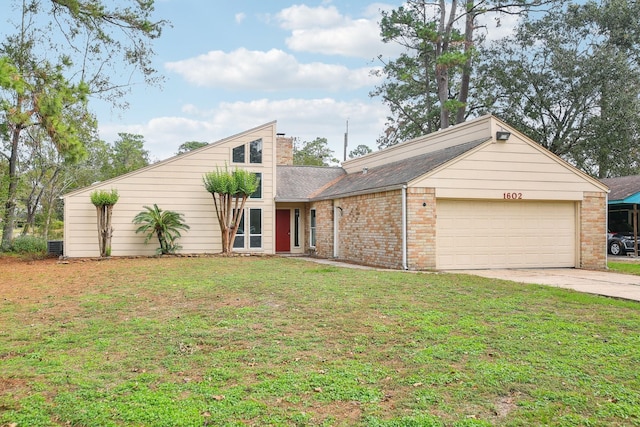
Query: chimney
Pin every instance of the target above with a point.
(284, 150)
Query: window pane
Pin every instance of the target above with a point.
(296, 228)
(312, 227)
(255, 151)
(241, 225)
(238, 154)
(255, 221)
(258, 192)
(255, 230)
(238, 242)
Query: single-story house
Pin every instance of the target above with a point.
(476, 195)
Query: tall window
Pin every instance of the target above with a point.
(296, 228)
(312, 227)
(238, 154)
(255, 151)
(255, 228)
(238, 242)
(252, 239)
(258, 192)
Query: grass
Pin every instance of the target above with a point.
(625, 267)
(270, 341)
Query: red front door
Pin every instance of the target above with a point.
(283, 230)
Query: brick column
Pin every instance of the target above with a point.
(421, 228)
(593, 239)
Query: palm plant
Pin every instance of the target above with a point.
(166, 225)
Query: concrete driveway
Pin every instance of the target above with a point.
(625, 286)
(594, 282)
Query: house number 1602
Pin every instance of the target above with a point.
(512, 196)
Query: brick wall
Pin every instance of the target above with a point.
(593, 240)
(284, 151)
(370, 229)
(324, 228)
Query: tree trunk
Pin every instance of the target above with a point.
(104, 229)
(10, 205)
(466, 69)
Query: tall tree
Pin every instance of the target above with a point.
(39, 103)
(128, 153)
(427, 87)
(313, 153)
(63, 51)
(108, 43)
(571, 81)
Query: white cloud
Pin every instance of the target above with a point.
(270, 71)
(306, 119)
(325, 30)
(302, 16)
(240, 17)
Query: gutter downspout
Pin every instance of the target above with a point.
(335, 231)
(404, 228)
(606, 232)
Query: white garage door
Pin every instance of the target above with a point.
(505, 234)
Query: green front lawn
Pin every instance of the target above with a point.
(277, 341)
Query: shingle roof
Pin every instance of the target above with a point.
(622, 187)
(298, 183)
(394, 174)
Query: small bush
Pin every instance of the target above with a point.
(29, 245)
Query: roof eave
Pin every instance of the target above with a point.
(291, 200)
(359, 192)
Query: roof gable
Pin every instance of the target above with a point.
(176, 162)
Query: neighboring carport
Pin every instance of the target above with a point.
(622, 208)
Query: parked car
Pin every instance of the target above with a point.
(620, 243)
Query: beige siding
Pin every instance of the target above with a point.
(496, 169)
(174, 184)
(465, 132)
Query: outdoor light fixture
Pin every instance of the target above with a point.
(502, 135)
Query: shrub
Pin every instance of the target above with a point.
(165, 225)
(104, 197)
(29, 245)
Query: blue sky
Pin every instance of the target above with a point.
(231, 66)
